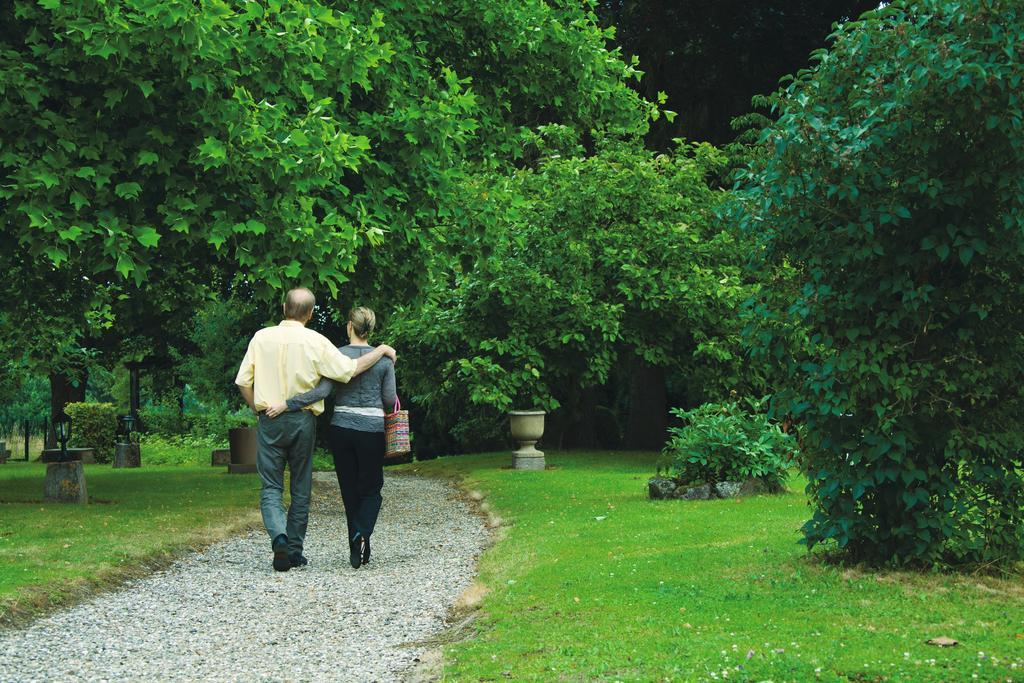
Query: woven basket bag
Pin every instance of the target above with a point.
(396, 432)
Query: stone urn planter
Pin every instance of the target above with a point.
(242, 441)
(527, 428)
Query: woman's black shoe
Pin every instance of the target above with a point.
(355, 552)
(366, 550)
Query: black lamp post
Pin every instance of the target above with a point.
(62, 430)
(127, 425)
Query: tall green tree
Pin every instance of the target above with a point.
(260, 145)
(581, 271)
(893, 187)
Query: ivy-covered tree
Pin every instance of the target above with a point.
(893, 188)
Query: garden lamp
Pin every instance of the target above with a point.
(127, 425)
(62, 429)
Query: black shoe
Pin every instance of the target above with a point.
(355, 552)
(366, 550)
(280, 546)
(297, 560)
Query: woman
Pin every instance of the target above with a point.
(356, 435)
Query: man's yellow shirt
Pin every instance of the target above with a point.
(289, 359)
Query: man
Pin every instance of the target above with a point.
(281, 362)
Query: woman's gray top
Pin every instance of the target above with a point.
(361, 403)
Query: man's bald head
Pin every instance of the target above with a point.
(298, 304)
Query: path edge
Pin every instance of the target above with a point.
(462, 613)
(37, 602)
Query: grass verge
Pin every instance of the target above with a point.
(137, 520)
(590, 580)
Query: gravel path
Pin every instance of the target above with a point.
(225, 615)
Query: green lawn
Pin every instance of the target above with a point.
(50, 553)
(590, 580)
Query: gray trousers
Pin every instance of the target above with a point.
(286, 439)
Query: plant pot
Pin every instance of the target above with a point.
(242, 441)
(527, 428)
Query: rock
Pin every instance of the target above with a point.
(65, 483)
(754, 487)
(220, 457)
(721, 489)
(728, 489)
(659, 488)
(702, 492)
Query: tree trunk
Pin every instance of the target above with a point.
(646, 427)
(581, 429)
(64, 389)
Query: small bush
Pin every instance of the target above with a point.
(158, 449)
(93, 425)
(162, 418)
(726, 442)
(165, 420)
(323, 461)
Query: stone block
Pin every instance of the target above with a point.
(220, 457)
(702, 492)
(127, 455)
(660, 488)
(528, 462)
(65, 483)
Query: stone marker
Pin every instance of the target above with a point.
(127, 455)
(243, 450)
(65, 483)
(220, 457)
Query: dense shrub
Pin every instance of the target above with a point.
(166, 420)
(162, 417)
(93, 425)
(893, 187)
(728, 442)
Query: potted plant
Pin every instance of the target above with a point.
(242, 443)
